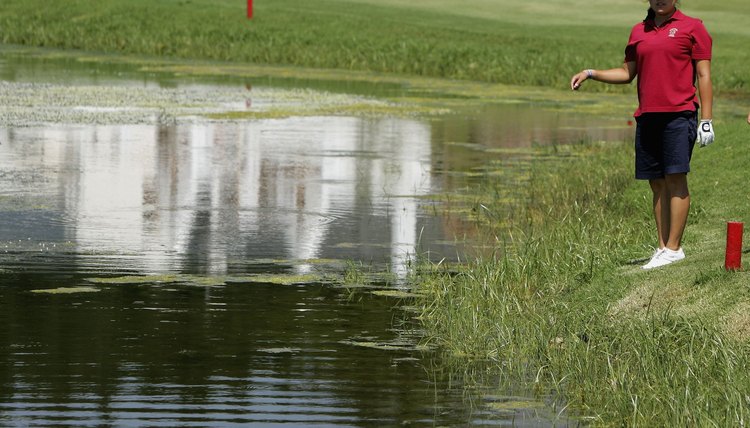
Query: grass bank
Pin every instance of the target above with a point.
(567, 305)
(562, 301)
(501, 41)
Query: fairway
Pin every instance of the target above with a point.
(726, 16)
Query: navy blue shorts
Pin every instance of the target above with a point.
(664, 143)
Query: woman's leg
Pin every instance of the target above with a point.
(661, 207)
(665, 143)
(671, 203)
(679, 207)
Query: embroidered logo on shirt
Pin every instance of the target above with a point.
(673, 32)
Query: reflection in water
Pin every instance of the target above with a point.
(197, 196)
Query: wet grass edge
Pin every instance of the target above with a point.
(562, 303)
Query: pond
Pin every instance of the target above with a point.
(165, 263)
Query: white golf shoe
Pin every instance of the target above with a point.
(663, 257)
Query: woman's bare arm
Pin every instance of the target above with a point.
(622, 75)
(705, 88)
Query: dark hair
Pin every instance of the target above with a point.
(650, 15)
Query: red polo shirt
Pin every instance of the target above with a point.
(665, 59)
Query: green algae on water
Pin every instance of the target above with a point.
(279, 350)
(208, 281)
(137, 279)
(399, 294)
(33, 103)
(279, 279)
(387, 346)
(513, 404)
(66, 290)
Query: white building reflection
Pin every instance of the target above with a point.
(201, 196)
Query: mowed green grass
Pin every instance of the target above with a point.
(729, 16)
(503, 41)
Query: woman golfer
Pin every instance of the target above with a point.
(668, 52)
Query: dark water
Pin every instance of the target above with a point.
(236, 355)
(197, 207)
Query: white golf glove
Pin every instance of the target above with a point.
(705, 132)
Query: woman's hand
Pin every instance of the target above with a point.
(579, 78)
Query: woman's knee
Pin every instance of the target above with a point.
(657, 185)
(677, 185)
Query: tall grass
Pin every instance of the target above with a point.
(426, 39)
(560, 237)
(545, 306)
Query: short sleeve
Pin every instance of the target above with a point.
(630, 49)
(630, 54)
(702, 42)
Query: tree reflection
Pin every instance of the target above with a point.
(196, 196)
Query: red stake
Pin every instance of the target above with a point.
(249, 9)
(733, 258)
